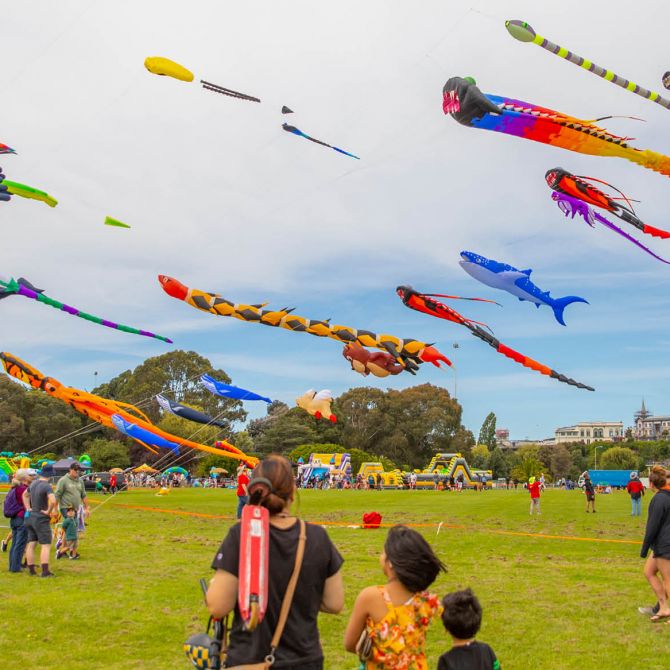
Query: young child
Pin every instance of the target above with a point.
(70, 528)
(462, 617)
(395, 616)
(534, 487)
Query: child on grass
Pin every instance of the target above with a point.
(462, 617)
(70, 528)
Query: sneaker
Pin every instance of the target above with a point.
(75, 557)
(59, 555)
(647, 611)
(49, 574)
(3, 546)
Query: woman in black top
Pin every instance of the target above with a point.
(319, 586)
(657, 538)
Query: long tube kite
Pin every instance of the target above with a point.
(522, 31)
(5, 195)
(104, 411)
(30, 193)
(189, 413)
(470, 107)
(229, 391)
(422, 302)
(23, 287)
(296, 131)
(408, 352)
(562, 181)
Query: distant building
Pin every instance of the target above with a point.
(502, 434)
(591, 431)
(648, 427)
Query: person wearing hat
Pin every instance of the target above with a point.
(70, 491)
(534, 487)
(635, 489)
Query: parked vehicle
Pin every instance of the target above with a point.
(90, 481)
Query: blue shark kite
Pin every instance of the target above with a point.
(145, 437)
(517, 282)
(229, 391)
(186, 412)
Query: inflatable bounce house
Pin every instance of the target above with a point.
(390, 480)
(10, 463)
(320, 466)
(451, 465)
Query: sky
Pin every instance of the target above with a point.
(220, 197)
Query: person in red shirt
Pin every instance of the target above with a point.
(635, 489)
(242, 490)
(534, 487)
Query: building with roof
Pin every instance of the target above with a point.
(590, 431)
(649, 427)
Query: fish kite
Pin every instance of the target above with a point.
(296, 131)
(29, 192)
(522, 31)
(579, 187)
(422, 302)
(517, 282)
(470, 107)
(228, 391)
(4, 149)
(571, 206)
(317, 404)
(186, 412)
(5, 195)
(129, 419)
(23, 287)
(378, 363)
(666, 80)
(109, 221)
(408, 353)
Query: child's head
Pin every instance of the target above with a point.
(462, 615)
(70, 511)
(410, 558)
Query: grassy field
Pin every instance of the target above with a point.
(549, 601)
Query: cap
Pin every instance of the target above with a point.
(31, 472)
(75, 466)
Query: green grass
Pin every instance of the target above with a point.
(548, 603)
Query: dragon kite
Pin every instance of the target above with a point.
(470, 107)
(408, 353)
(120, 416)
(425, 303)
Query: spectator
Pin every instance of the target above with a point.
(590, 493)
(462, 618)
(657, 538)
(70, 491)
(395, 616)
(319, 586)
(534, 487)
(71, 536)
(40, 503)
(635, 489)
(22, 479)
(242, 490)
(113, 487)
(436, 480)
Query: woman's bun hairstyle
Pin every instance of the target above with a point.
(272, 484)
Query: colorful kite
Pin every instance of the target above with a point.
(228, 391)
(562, 181)
(4, 149)
(422, 302)
(109, 221)
(571, 206)
(102, 411)
(317, 404)
(470, 107)
(378, 363)
(299, 133)
(186, 412)
(407, 352)
(25, 288)
(4, 193)
(29, 192)
(522, 31)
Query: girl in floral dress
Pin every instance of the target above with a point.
(395, 616)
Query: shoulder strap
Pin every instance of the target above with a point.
(288, 596)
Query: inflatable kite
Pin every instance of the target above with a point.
(5, 195)
(101, 410)
(365, 362)
(299, 133)
(228, 391)
(29, 192)
(571, 206)
(523, 32)
(186, 412)
(25, 288)
(517, 282)
(317, 404)
(424, 303)
(562, 181)
(470, 107)
(408, 353)
(109, 221)
(666, 80)
(4, 149)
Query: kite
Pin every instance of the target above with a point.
(4, 149)
(424, 303)
(470, 107)
(317, 404)
(299, 133)
(407, 352)
(579, 187)
(186, 412)
(5, 195)
(365, 362)
(522, 31)
(228, 391)
(109, 221)
(29, 192)
(517, 282)
(666, 80)
(102, 410)
(25, 288)
(571, 206)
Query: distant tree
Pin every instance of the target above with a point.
(499, 463)
(359, 457)
(480, 457)
(629, 435)
(203, 465)
(527, 463)
(619, 458)
(561, 462)
(106, 454)
(487, 433)
(243, 441)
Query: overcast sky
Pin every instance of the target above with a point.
(221, 198)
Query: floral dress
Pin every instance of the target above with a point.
(398, 640)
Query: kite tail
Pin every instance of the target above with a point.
(649, 159)
(432, 355)
(560, 304)
(656, 232)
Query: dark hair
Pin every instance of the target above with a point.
(412, 558)
(658, 476)
(462, 615)
(272, 483)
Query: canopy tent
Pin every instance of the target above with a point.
(218, 471)
(116, 471)
(62, 467)
(145, 468)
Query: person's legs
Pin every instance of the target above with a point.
(652, 569)
(241, 502)
(30, 555)
(663, 565)
(637, 506)
(18, 544)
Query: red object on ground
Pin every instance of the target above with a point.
(372, 520)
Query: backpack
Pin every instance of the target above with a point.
(13, 506)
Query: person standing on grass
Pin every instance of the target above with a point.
(113, 487)
(657, 538)
(534, 487)
(41, 505)
(590, 493)
(71, 492)
(635, 489)
(242, 489)
(22, 479)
